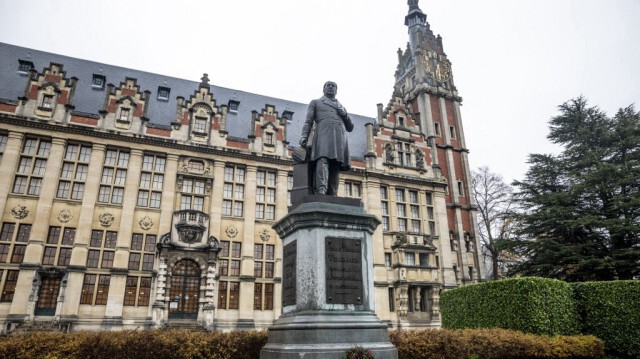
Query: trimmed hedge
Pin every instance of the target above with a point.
(531, 305)
(492, 343)
(147, 344)
(611, 311)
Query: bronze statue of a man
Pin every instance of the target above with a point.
(329, 146)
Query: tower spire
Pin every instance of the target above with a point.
(415, 17)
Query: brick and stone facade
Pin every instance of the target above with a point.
(133, 200)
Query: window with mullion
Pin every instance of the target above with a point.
(401, 210)
(31, 167)
(114, 175)
(59, 248)
(151, 181)
(74, 172)
(95, 289)
(233, 191)
(384, 197)
(431, 214)
(11, 239)
(141, 255)
(265, 195)
(102, 245)
(192, 194)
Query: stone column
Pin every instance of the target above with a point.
(113, 311)
(23, 299)
(10, 158)
(215, 214)
(77, 267)
(245, 317)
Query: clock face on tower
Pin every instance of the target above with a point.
(438, 66)
(443, 69)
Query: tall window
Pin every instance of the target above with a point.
(9, 287)
(263, 296)
(228, 295)
(410, 258)
(151, 181)
(102, 245)
(414, 209)
(289, 188)
(192, 196)
(3, 144)
(263, 260)
(114, 175)
(230, 255)
(265, 195)
(384, 196)
(233, 191)
(74, 171)
(95, 289)
(391, 300)
(57, 250)
(13, 244)
(137, 291)
(431, 217)
(401, 210)
(33, 161)
(142, 252)
(404, 153)
(353, 189)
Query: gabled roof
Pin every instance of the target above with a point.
(89, 100)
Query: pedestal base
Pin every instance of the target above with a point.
(322, 335)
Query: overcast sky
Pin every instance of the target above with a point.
(513, 61)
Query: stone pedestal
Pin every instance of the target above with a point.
(328, 293)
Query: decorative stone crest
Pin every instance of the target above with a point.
(146, 223)
(265, 235)
(106, 219)
(64, 216)
(401, 238)
(19, 212)
(231, 231)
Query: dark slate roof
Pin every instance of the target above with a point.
(90, 100)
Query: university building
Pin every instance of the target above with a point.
(136, 200)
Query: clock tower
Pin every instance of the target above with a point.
(424, 84)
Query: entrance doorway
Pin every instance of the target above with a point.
(185, 290)
(48, 297)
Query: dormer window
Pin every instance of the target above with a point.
(288, 116)
(268, 138)
(124, 115)
(401, 121)
(163, 93)
(98, 81)
(233, 106)
(25, 66)
(47, 101)
(200, 125)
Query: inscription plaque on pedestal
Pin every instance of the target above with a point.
(343, 258)
(289, 274)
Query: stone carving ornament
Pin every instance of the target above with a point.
(106, 219)
(19, 212)
(64, 216)
(231, 231)
(265, 235)
(146, 223)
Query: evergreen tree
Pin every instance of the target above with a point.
(580, 217)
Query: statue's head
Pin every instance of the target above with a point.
(330, 89)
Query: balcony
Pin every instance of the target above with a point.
(191, 225)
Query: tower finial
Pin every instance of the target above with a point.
(413, 4)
